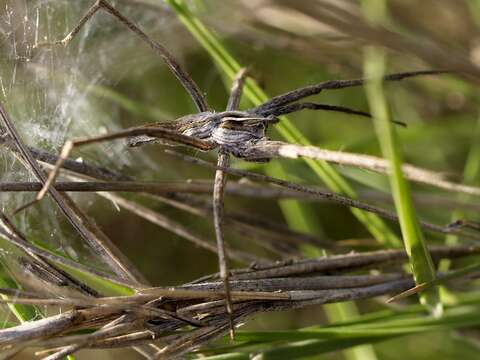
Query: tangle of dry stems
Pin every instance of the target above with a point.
(180, 319)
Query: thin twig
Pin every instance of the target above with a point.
(326, 195)
(232, 188)
(81, 167)
(206, 299)
(274, 149)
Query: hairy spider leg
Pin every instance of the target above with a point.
(291, 108)
(300, 93)
(218, 200)
(156, 132)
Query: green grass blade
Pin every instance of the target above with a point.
(338, 312)
(368, 328)
(300, 219)
(229, 356)
(306, 348)
(420, 259)
(105, 286)
(452, 275)
(460, 317)
(317, 340)
(22, 313)
(471, 173)
(287, 130)
(98, 282)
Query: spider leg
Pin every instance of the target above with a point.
(218, 200)
(185, 79)
(157, 132)
(218, 207)
(468, 224)
(237, 90)
(290, 108)
(310, 90)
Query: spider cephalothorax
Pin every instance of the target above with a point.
(238, 130)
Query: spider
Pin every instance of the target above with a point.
(242, 134)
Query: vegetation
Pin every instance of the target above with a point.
(106, 80)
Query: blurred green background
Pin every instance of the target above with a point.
(107, 80)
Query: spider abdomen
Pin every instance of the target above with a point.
(236, 134)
